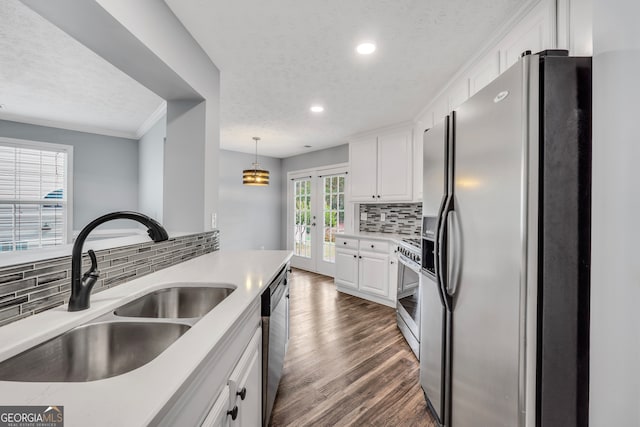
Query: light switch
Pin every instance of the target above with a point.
(214, 220)
(363, 216)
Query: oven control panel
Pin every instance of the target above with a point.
(412, 254)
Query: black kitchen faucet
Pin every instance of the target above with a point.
(81, 286)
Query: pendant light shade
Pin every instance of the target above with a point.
(255, 176)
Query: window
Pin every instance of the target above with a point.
(332, 215)
(34, 194)
(302, 214)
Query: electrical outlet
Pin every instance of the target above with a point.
(383, 217)
(214, 220)
(363, 216)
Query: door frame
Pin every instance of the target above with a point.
(316, 263)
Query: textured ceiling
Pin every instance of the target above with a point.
(278, 58)
(47, 77)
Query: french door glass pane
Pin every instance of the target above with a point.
(332, 215)
(302, 218)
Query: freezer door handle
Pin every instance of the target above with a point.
(454, 248)
(442, 250)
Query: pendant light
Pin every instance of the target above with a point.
(255, 176)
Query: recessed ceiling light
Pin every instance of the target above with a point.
(317, 108)
(366, 48)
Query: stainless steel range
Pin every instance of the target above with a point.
(408, 307)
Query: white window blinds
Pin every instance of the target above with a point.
(33, 196)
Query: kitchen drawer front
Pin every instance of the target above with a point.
(346, 243)
(374, 246)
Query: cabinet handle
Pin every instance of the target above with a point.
(360, 256)
(392, 262)
(243, 393)
(378, 196)
(355, 256)
(373, 197)
(233, 412)
(344, 243)
(372, 246)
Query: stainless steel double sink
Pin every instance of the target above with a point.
(127, 338)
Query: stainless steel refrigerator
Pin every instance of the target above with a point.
(507, 205)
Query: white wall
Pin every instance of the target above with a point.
(105, 170)
(249, 217)
(151, 170)
(615, 275)
(146, 41)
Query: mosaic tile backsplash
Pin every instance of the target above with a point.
(401, 218)
(27, 289)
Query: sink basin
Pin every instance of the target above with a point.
(178, 302)
(92, 352)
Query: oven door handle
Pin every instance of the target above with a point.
(409, 263)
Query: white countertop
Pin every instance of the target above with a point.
(395, 238)
(132, 399)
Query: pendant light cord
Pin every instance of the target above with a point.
(255, 165)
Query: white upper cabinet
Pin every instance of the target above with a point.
(424, 122)
(394, 167)
(363, 158)
(381, 168)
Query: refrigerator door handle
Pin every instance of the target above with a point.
(441, 248)
(454, 248)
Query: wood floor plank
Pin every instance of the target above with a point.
(347, 364)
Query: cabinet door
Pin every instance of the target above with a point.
(393, 274)
(217, 416)
(395, 171)
(245, 385)
(374, 273)
(347, 268)
(362, 170)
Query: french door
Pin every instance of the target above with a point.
(317, 212)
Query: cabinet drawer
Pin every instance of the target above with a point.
(374, 246)
(346, 243)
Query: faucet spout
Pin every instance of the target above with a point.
(81, 285)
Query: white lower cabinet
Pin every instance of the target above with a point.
(374, 273)
(347, 268)
(365, 272)
(218, 416)
(245, 386)
(226, 389)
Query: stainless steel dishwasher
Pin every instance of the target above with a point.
(275, 337)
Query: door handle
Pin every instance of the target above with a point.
(455, 252)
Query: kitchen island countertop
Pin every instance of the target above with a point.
(134, 398)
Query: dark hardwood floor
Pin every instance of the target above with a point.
(347, 364)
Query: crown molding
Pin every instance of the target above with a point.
(159, 113)
(407, 124)
(68, 126)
